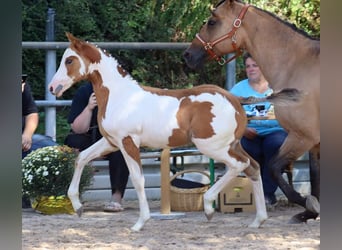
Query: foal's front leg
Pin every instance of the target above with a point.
(131, 154)
(100, 148)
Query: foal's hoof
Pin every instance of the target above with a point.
(209, 216)
(312, 204)
(79, 211)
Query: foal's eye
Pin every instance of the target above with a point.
(68, 61)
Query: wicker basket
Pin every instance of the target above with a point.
(187, 199)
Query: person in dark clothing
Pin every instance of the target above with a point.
(29, 140)
(85, 132)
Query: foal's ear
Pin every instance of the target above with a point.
(75, 42)
(71, 37)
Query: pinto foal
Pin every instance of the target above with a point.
(131, 116)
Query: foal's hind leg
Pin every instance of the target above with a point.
(238, 161)
(253, 172)
(213, 191)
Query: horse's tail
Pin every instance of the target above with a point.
(283, 97)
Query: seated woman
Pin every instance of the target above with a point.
(262, 138)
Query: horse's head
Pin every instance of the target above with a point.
(217, 36)
(74, 65)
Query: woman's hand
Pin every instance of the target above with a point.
(92, 103)
(26, 142)
(250, 133)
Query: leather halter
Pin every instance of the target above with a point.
(208, 46)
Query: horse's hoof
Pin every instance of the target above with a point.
(297, 219)
(303, 217)
(312, 204)
(209, 216)
(79, 211)
(135, 229)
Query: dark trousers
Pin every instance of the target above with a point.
(262, 149)
(118, 171)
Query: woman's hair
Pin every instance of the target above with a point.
(245, 56)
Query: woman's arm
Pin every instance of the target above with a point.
(81, 123)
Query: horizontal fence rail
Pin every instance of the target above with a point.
(45, 103)
(109, 45)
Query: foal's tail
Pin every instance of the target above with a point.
(283, 97)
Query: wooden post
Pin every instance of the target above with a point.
(165, 206)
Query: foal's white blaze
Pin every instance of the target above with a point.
(62, 80)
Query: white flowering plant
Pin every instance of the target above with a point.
(48, 171)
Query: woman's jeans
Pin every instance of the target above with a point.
(262, 149)
(39, 141)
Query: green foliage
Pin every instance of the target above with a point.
(143, 21)
(48, 172)
(305, 14)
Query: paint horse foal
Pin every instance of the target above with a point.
(130, 116)
(288, 58)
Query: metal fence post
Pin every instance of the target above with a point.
(50, 69)
(230, 72)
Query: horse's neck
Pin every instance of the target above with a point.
(274, 46)
(111, 76)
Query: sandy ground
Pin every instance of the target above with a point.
(99, 230)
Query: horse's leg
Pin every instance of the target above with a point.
(131, 154)
(288, 153)
(238, 161)
(100, 148)
(253, 172)
(314, 160)
(289, 173)
(214, 190)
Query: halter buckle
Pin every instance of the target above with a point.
(208, 46)
(237, 23)
(222, 61)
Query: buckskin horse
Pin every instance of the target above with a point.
(288, 58)
(131, 116)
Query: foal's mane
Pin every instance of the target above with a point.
(120, 67)
(292, 26)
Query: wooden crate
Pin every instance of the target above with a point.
(237, 196)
